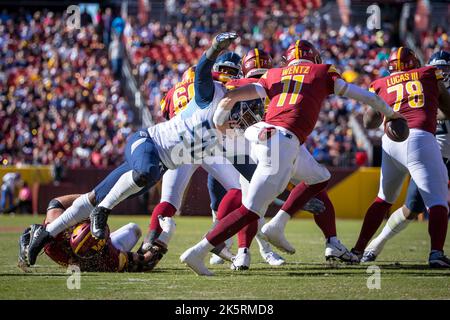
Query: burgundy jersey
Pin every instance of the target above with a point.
(177, 98)
(413, 93)
(296, 94)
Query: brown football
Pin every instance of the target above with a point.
(397, 129)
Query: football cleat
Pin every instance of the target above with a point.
(335, 250)
(368, 256)
(276, 237)
(241, 261)
(99, 219)
(272, 258)
(357, 253)
(194, 261)
(24, 241)
(39, 237)
(437, 259)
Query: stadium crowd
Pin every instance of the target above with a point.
(59, 102)
(52, 78)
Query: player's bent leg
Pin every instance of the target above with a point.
(311, 178)
(392, 175)
(397, 222)
(146, 169)
(40, 235)
(430, 174)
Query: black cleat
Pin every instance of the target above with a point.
(24, 241)
(39, 237)
(437, 259)
(99, 219)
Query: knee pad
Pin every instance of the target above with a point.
(55, 204)
(141, 178)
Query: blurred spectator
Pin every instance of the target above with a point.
(59, 100)
(116, 52)
(25, 199)
(10, 183)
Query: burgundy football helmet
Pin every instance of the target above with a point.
(402, 59)
(302, 49)
(255, 63)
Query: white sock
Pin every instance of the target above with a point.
(126, 237)
(77, 212)
(264, 246)
(123, 188)
(242, 250)
(281, 219)
(396, 223)
(203, 247)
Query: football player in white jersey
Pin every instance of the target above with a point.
(190, 138)
(414, 203)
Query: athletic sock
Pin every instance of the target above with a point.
(280, 219)
(165, 209)
(230, 225)
(395, 224)
(123, 188)
(300, 195)
(77, 212)
(264, 246)
(230, 202)
(372, 221)
(437, 227)
(326, 220)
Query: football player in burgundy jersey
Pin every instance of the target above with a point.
(178, 97)
(296, 93)
(115, 256)
(424, 92)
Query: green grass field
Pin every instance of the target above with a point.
(404, 273)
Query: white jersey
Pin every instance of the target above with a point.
(443, 137)
(185, 138)
(10, 179)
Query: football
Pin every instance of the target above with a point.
(397, 129)
(83, 242)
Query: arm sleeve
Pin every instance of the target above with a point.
(204, 83)
(349, 90)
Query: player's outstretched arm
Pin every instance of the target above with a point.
(222, 113)
(444, 101)
(352, 91)
(203, 83)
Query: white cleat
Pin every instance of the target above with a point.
(272, 258)
(276, 237)
(335, 250)
(215, 259)
(194, 261)
(241, 261)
